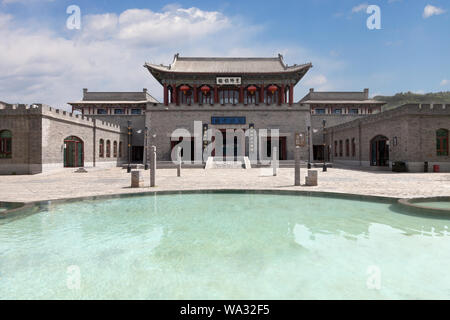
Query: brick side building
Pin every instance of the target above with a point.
(416, 134)
(39, 138)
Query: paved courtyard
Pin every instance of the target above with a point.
(65, 183)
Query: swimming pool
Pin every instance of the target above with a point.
(224, 245)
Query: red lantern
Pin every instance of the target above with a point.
(205, 90)
(252, 89)
(273, 89)
(185, 88)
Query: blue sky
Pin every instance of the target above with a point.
(42, 61)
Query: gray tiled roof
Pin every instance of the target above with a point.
(228, 65)
(339, 97)
(342, 102)
(116, 97)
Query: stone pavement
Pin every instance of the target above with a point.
(65, 183)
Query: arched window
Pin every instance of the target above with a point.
(353, 147)
(271, 97)
(442, 142)
(101, 146)
(205, 95)
(115, 149)
(185, 95)
(5, 144)
(251, 95)
(108, 149)
(120, 149)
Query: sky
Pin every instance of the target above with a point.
(44, 61)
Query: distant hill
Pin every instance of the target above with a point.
(410, 97)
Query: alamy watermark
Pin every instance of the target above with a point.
(73, 22)
(73, 280)
(374, 20)
(374, 278)
(228, 144)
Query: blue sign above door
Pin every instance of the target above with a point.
(228, 120)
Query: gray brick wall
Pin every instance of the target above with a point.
(162, 121)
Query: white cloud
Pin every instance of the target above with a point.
(360, 7)
(445, 82)
(431, 11)
(108, 53)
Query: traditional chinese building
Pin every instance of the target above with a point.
(227, 93)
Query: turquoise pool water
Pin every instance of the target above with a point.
(224, 246)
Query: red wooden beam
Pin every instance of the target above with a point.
(291, 94)
(166, 95)
(261, 94)
(195, 94)
(216, 94)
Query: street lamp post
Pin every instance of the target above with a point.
(309, 148)
(129, 147)
(146, 149)
(324, 169)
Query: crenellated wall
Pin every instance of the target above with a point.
(38, 138)
(411, 130)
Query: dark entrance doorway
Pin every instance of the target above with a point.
(318, 153)
(137, 154)
(73, 152)
(379, 151)
(173, 144)
(233, 146)
(282, 152)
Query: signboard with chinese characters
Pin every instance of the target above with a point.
(228, 120)
(228, 80)
(300, 139)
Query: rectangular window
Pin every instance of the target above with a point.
(136, 111)
(102, 111)
(347, 148)
(353, 111)
(337, 111)
(341, 149)
(119, 111)
(320, 111)
(335, 148)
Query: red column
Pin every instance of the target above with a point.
(279, 96)
(241, 94)
(166, 95)
(291, 94)
(195, 94)
(261, 94)
(175, 93)
(282, 97)
(216, 94)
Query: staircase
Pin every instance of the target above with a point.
(216, 163)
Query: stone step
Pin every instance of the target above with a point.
(228, 165)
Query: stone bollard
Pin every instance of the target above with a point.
(274, 161)
(179, 162)
(137, 179)
(153, 169)
(312, 178)
(297, 166)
